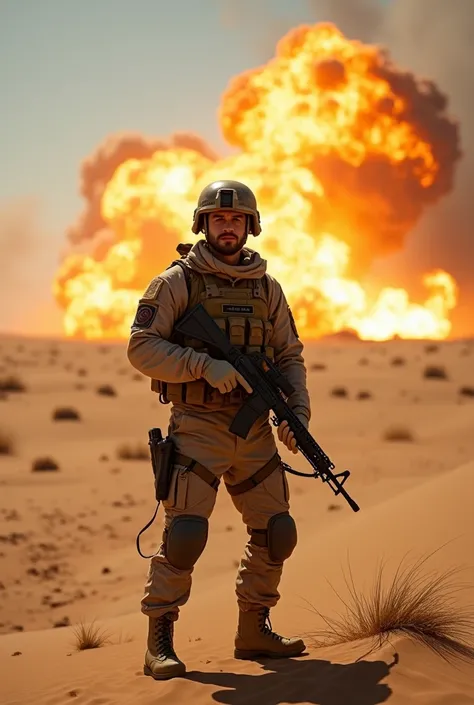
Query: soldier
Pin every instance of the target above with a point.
(231, 282)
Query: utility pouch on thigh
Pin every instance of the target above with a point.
(161, 450)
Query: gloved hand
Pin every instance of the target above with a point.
(222, 375)
(286, 436)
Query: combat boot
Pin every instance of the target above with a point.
(161, 661)
(255, 638)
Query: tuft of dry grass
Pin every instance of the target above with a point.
(12, 384)
(318, 366)
(435, 372)
(466, 391)
(139, 451)
(44, 465)
(339, 392)
(106, 390)
(89, 636)
(66, 413)
(364, 394)
(398, 433)
(431, 348)
(420, 606)
(7, 446)
(398, 361)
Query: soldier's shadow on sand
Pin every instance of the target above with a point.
(308, 681)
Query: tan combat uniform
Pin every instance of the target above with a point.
(255, 315)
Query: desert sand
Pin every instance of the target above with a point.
(67, 536)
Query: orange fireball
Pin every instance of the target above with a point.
(343, 151)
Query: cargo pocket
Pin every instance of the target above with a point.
(189, 493)
(255, 336)
(195, 392)
(237, 331)
(177, 495)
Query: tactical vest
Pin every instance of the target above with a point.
(241, 311)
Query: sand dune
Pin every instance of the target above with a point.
(67, 537)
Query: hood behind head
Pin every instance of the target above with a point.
(201, 259)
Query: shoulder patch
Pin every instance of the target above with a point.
(153, 288)
(292, 322)
(145, 315)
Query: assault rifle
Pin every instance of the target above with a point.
(270, 391)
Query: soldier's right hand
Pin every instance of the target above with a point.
(222, 375)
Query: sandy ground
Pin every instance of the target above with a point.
(67, 537)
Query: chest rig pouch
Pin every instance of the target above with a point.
(241, 311)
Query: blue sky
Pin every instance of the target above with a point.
(73, 72)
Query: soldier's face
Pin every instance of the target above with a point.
(226, 231)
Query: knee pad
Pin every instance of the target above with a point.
(281, 537)
(185, 540)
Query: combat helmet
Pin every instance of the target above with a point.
(227, 195)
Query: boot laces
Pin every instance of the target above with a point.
(164, 629)
(266, 625)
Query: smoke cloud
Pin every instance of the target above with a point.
(433, 38)
(98, 168)
(28, 264)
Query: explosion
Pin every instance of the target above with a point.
(343, 151)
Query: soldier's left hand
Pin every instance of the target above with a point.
(286, 436)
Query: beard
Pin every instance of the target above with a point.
(226, 248)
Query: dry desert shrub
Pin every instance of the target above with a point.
(435, 372)
(418, 605)
(89, 636)
(339, 392)
(466, 391)
(7, 446)
(44, 464)
(106, 390)
(137, 451)
(11, 384)
(398, 433)
(364, 394)
(431, 348)
(317, 366)
(398, 361)
(66, 413)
